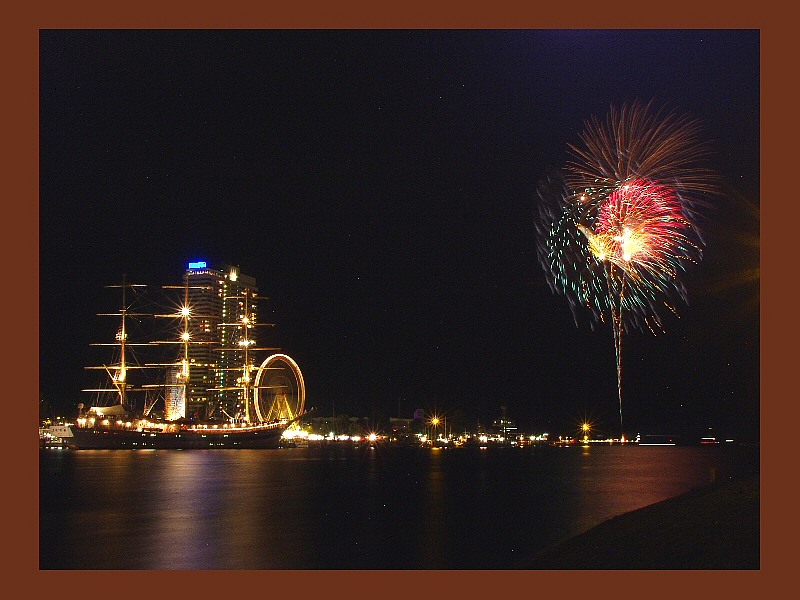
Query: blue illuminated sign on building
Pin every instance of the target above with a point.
(197, 265)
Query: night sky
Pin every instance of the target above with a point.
(381, 187)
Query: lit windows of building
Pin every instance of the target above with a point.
(218, 297)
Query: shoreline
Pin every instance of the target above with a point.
(716, 526)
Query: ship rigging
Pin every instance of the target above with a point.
(271, 394)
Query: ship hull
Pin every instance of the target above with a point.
(113, 439)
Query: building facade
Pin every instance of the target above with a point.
(219, 298)
(174, 396)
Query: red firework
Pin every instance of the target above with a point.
(641, 228)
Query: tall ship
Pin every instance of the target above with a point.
(208, 385)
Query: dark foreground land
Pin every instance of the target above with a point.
(714, 527)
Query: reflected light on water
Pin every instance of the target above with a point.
(339, 508)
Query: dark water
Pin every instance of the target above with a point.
(387, 508)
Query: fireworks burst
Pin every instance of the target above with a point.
(618, 227)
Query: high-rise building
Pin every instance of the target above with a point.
(239, 302)
(219, 299)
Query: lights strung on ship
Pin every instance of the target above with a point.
(178, 374)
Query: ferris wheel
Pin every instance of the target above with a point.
(280, 393)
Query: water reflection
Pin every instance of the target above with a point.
(434, 514)
(614, 480)
(342, 509)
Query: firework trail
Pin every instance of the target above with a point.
(618, 226)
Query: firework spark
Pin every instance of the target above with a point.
(618, 227)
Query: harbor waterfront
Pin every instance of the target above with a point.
(244, 404)
(414, 299)
(340, 507)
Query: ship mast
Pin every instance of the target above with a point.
(183, 377)
(122, 337)
(185, 313)
(246, 345)
(118, 373)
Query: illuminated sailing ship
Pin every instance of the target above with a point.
(271, 394)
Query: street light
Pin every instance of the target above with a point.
(585, 427)
(434, 424)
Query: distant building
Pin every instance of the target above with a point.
(405, 430)
(401, 426)
(504, 426)
(219, 298)
(340, 425)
